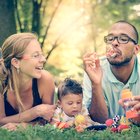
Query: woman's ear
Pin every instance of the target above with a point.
(15, 63)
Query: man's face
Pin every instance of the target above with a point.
(124, 52)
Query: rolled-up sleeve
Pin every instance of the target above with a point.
(87, 90)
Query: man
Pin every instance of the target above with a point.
(104, 80)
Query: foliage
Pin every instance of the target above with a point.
(54, 70)
(48, 132)
(106, 12)
(67, 29)
(123, 10)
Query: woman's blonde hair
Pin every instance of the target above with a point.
(13, 47)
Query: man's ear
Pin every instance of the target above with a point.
(15, 63)
(137, 49)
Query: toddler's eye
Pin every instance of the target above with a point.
(78, 102)
(69, 103)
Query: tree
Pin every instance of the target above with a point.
(7, 19)
(106, 12)
(30, 17)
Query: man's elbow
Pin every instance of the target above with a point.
(99, 117)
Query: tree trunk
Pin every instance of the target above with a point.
(7, 19)
(36, 18)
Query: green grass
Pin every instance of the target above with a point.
(50, 133)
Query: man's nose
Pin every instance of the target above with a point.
(115, 42)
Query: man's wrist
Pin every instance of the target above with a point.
(135, 122)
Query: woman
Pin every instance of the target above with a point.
(26, 89)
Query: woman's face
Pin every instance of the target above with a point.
(33, 60)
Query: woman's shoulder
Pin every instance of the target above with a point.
(46, 78)
(46, 82)
(46, 75)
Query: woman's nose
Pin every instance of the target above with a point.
(43, 59)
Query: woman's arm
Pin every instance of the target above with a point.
(27, 115)
(46, 87)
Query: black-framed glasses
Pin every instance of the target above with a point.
(122, 39)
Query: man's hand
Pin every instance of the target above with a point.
(92, 67)
(134, 104)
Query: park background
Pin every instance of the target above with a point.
(66, 28)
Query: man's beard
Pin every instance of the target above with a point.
(122, 63)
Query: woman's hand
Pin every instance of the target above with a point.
(92, 67)
(45, 111)
(14, 126)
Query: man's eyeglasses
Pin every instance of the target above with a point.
(122, 39)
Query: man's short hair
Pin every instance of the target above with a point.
(134, 28)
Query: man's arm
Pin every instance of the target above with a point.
(97, 108)
(94, 100)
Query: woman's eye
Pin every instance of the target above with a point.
(36, 55)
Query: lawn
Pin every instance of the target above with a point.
(48, 132)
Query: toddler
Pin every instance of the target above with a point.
(70, 95)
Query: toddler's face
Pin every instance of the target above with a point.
(71, 104)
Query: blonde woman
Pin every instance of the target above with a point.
(26, 90)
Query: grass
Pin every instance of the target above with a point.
(48, 132)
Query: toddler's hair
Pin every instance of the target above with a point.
(69, 86)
